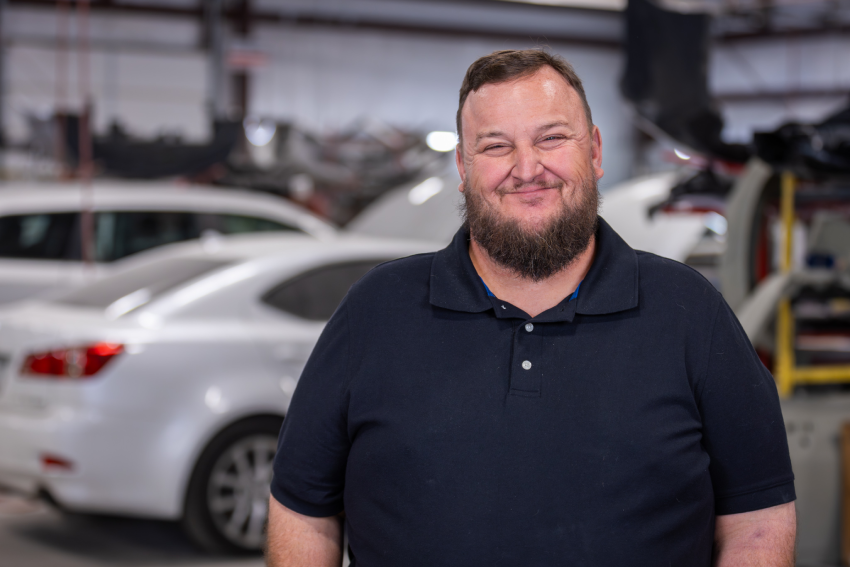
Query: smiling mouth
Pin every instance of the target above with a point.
(524, 190)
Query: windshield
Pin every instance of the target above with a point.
(129, 289)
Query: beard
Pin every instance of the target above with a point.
(529, 253)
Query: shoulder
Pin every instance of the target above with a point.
(674, 284)
(666, 273)
(405, 277)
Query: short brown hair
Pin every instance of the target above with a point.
(502, 66)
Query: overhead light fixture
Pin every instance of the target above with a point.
(615, 5)
(259, 131)
(441, 141)
(425, 190)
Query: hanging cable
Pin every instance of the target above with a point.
(85, 138)
(61, 88)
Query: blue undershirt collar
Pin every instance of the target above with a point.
(573, 296)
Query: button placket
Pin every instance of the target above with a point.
(526, 375)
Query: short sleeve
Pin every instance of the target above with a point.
(743, 429)
(309, 467)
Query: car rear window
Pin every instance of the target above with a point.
(316, 294)
(149, 281)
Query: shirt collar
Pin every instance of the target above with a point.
(455, 284)
(610, 286)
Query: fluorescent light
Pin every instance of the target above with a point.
(259, 132)
(425, 190)
(617, 5)
(441, 141)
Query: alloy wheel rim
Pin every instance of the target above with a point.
(239, 488)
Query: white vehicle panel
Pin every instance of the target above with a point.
(214, 354)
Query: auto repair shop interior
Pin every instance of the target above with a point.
(189, 188)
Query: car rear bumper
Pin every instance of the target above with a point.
(81, 462)
(23, 439)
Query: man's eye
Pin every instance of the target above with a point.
(548, 138)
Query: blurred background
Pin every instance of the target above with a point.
(189, 187)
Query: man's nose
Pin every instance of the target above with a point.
(527, 166)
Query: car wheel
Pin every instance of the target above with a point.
(227, 501)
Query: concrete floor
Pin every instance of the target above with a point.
(34, 535)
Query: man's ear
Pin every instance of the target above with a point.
(596, 152)
(461, 168)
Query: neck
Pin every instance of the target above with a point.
(533, 297)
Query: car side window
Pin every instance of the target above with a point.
(120, 234)
(316, 294)
(39, 236)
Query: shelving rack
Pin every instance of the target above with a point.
(786, 372)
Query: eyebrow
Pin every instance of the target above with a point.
(497, 133)
(553, 125)
(491, 134)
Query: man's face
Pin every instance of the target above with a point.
(527, 149)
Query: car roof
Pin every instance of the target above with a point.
(251, 246)
(25, 197)
(398, 213)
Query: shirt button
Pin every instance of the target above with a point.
(526, 364)
(529, 327)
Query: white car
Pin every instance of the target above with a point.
(40, 229)
(159, 391)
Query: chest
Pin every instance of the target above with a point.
(460, 386)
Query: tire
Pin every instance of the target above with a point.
(227, 500)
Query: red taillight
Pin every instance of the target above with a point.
(71, 362)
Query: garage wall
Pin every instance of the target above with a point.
(146, 71)
(149, 93)
(327, 79)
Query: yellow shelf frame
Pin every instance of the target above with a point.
(786, 372)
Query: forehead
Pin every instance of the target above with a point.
(542, 94)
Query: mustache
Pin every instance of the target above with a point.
(532, 186)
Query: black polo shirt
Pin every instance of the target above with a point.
(454, 429)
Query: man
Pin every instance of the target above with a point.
(538, 393)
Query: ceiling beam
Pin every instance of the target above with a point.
(236, 16)
(781, 95)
